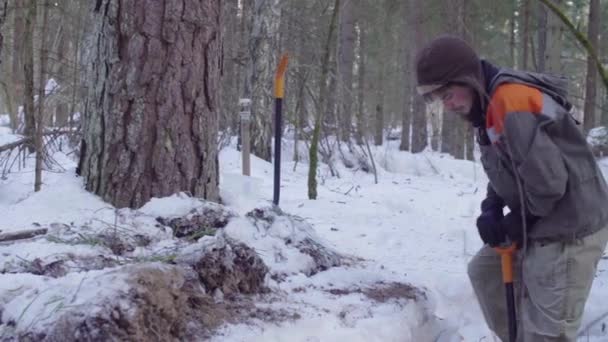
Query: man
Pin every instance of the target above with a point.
(540, 167)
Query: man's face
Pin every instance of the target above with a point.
(456, 99)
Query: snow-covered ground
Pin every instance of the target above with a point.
(416, 226)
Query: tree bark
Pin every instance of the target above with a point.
(43, 54)
(262, 47)
(151, 124)
(7, 91)
(314, 143)
(61, 107)
(77, 66)
(419, 130)
(346, 55)
(17, 79)
(453, 129)
(512, 44)
(379, 122)
(3, 8)
(361, 83)
(542, 14)
(591, 80)
(525, 32)
(28, 72)
(552, 44)
(406, 94)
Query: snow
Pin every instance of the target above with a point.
(81, 289)
(415, 226)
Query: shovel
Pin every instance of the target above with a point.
(506, 259)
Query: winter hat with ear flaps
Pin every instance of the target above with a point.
(447, 59)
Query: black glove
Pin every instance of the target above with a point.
(488, 223)
(494, 231)
(491, 229)
(492, 206)
(512, 224)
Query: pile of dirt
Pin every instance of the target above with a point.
(296, 232)
(199, 222)
(232, 268)
(166, 302)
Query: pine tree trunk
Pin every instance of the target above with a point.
(346, 49)
(408, 80)
(542, 13)
(28, 73)
(262, 47)
(419, 130)
(361, 84)
(7, 94)
(17, 88)
(452, 132)
(76, 66)
(151, 124)
(314, 143)
(330, 121)
(512, 45)
(603, 51)
(3, 10)
(379, 122)
(591, 79)
(41, 95)
(550, 45)
(61, 108)
(406, 95)
(230, 88)
(525, 32)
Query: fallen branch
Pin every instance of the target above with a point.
(23, 234)
(27, 140)
(14, 144)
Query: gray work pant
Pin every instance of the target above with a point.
(557, 278)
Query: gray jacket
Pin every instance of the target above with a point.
(547, 153)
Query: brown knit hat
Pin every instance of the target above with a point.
(447, 59)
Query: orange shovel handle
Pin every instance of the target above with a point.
(506, 258)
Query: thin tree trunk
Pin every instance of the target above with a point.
(552, 43)
(379, 122)
(3, 8)
(452, 132)
(330, 120)
(41, 95)
(406, 119)
(512, 45)
(419, 129)
(525, 32)
(580, 37)
(314, 144)
(542, 14)
(406, 93)
(3, 11)
(300, 110)
(61, 107)
(346, 49)
(17, 86)
(361, 130)
(262, 47)
(28, 72)
(591, 79)
(151, 124)
(76, 68)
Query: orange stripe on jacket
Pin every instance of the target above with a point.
(509, 98)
